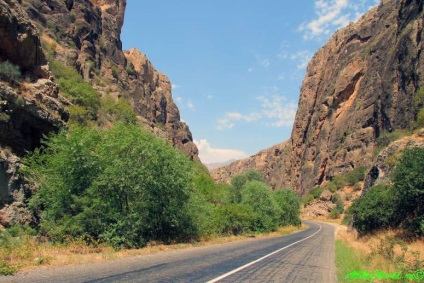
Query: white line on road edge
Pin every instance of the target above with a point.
(260, 259)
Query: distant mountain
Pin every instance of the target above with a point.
(212, 166)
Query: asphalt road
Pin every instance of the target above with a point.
(306, 256)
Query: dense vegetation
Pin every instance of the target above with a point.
(398, 205)
(124, 187)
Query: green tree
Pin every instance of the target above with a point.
(289, 204)
(376, 209)
(121, 186)
(240, 180)
(258, 196)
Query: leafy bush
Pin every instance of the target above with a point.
(239, 181)
(408, 181)
(339, 181)
(118, 110)
(122, 187)
(316, 192)
(258, 196)
(376, 209)
(73, 87)
(234, 219)
(337, 200)
(307, 199)
(332, 187)
(289, 204)
(356, 175)
(9, 72)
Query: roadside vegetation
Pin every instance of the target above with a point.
(390, 222)
(123, 188)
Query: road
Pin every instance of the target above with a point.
(305, 256)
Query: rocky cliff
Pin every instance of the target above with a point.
(267, 161)
(84, 35)
(359, 85)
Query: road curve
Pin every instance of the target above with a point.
(306, 256)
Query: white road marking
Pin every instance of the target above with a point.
(260, 259)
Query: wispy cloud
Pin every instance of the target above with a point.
(190, 104)
(334, 14)
(209, 154)
(174, 86)
(228, 121)
(275, 111)
(301, 58)
(278, 110)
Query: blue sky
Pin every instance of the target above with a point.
(236, 66)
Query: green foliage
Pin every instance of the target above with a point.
(10, 73)
(316, 192)
(356, 175)
(376, 209)
(307, 199)
(239, 181)
(332, 187)
(114, 72)
(130, 71)
(419, 106)
(408, 181)
(337, 200)
(258, 196)
(420, 119)
(347, 261)
(234, 219)
(339, 181)
(118, 110)
(73, 87)
(122, 187)
(289, 204)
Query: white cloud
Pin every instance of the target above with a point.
(209, 96)
(275, 111)
(178, 99)
(174, 86)
(278, 111)
(302, 58)
(265, 63)
(334, 14)
(190, 104)
(228, 121)
(208, 154)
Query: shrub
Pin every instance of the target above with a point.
(339, 181)
(316, 192)
(339, 203)
(332, 187)
(122, 187)
(240, 180)
(130, 71)
(118, 110)
(356, 175)
(289, 204)
(233, 219)
(259, 197)
(408, 181)
(307, 199)
(10, 73)
(376, 209)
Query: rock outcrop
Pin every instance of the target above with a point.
(28, 110)
(386, 160)
(86, 36)
(360, 84)
(267, 161)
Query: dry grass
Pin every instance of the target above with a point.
(27, 253)
(384, 250)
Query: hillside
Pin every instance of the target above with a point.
(361, 85)
(70, 68)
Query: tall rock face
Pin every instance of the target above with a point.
(28, 110)
(360, 84)
(86, 36)
(268, 161)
